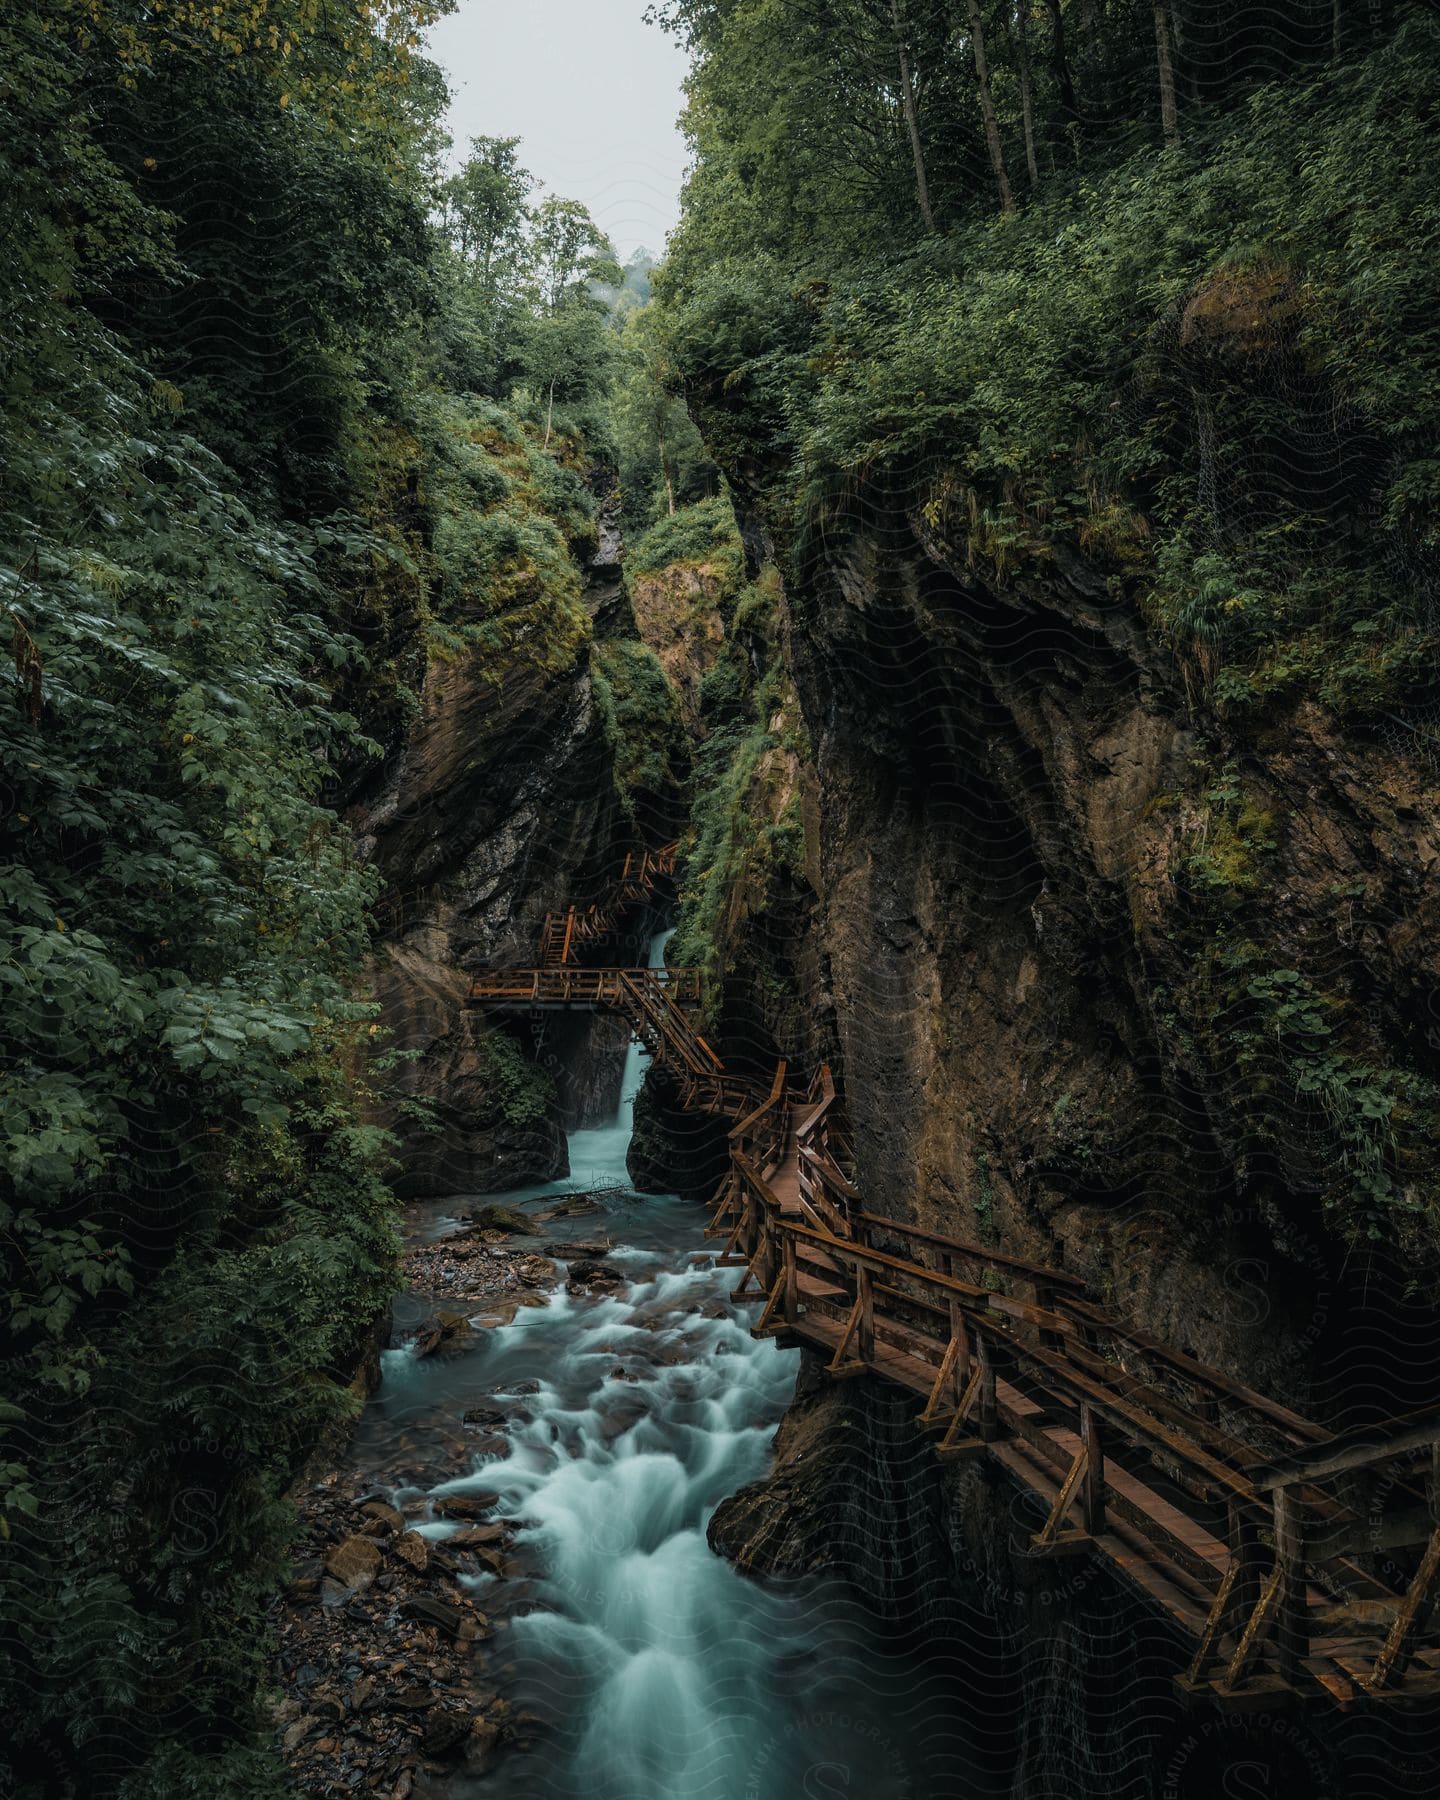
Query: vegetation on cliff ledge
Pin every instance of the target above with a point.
(1132, 301)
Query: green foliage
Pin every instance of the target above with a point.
(265, 456)
(747, 834)
(702, 533)
(523, 1092)
(504, 517)
(1137, 363)
(1376, 1124)
(663, 464)
(1226, 861)
(642, 724)
(200, 499)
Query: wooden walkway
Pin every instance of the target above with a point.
(565, 934)
(1270, 1543)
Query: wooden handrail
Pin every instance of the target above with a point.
(999, 1374)
(777, 1088)
(976, 1252)
(1351, 1450)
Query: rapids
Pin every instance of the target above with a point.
(658, 1672)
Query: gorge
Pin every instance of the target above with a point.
(721, 974)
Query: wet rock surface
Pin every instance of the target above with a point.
(486, 1265)
(384, 1662)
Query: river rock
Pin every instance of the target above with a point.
(463, 1506)
(446, 1331)
(383, 1517)
(481, 1745)
(411, 1548)
(454, 1621)
(591, 1274)
(354, 1564)
(298, 1731)
(508, 1220)
(446, 1729)
(470, 1537)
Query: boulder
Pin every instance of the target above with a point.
(463, 1506)
(354, 1564)
(508, 1220)
(383, 1518)
(411, 1548)
(446, 1331)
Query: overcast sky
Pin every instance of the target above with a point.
(593, 91)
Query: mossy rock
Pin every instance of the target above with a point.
(508, 1219)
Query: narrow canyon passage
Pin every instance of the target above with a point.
(634, 1663)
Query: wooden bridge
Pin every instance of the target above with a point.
(1293, 1562)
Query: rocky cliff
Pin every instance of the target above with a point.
(1124, 981)
(1118, 985)
(499, 804)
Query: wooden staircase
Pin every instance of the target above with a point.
(565, 934)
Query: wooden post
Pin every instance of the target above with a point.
(569, 933)
(1044, 1295)
(1092, 1493)
(1245, 1553)
(865, 1292)
(960, 1375)
(792, 1285)
(1398, 1648)
(1292, 1633)
(987, 1424)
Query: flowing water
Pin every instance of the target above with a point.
(658, 1672)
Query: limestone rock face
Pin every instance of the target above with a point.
(677, 613)
(499, 808)
(1016, 830)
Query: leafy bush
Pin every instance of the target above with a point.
(704, 532)
(524, 1093)
(642, 723)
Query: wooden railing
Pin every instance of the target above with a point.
(564, 934)
(1235, 1514)
(1252, 1555)
(574, 986)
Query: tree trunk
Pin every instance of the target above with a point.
(1060, 63)
(1168, 118)
(665, 471)
(1337, 27)
(1021, 45)
(549, 415)
(912, 124)
(987, 107)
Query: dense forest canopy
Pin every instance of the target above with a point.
(290, 411)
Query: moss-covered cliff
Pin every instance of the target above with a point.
(1101, 546)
